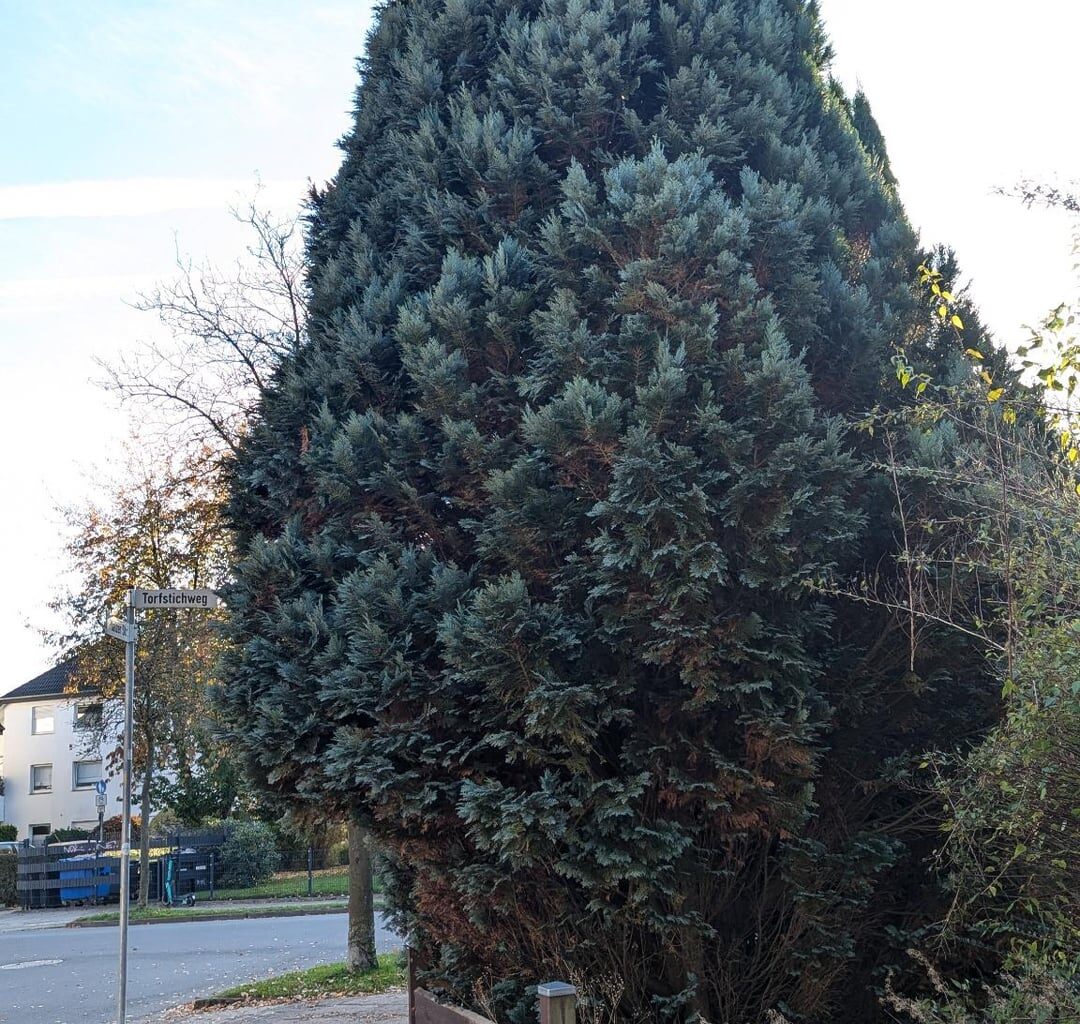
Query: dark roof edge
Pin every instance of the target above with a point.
(52, 684)
(8, 698)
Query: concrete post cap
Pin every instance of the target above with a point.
(552, 989)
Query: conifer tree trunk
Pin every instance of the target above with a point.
(361, 943)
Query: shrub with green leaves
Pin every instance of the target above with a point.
(1032, 992)
(9, 864)
(248, 856)
(1014, 834)
(8, 833)
(529, 529)
(339, 855)
(1002, 568)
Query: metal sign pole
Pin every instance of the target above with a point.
(172, 598)
(125, 834)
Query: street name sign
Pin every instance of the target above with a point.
(175, 598)
(121, 630)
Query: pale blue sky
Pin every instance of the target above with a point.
(130, 124)
(172, 88)
(129, 127)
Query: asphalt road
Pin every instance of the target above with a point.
(68, 975)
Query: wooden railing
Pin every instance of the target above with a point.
(557, 1004)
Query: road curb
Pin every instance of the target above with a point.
(238, 915)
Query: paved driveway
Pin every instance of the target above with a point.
(68, 975)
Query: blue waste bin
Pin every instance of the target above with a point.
(83, 878)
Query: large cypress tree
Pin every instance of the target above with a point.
(529, 528)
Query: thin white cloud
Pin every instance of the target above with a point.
(21, 297)
(136, 197)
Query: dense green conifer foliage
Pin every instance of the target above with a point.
(528, 528)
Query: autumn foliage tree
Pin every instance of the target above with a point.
(160, 526)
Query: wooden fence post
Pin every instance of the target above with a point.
(558, 1003)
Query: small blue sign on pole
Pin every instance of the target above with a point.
(99, 786)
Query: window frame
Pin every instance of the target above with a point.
(78, 718)
(34, 730)
(81, 787)
(39, 791)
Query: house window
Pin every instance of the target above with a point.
(88, 716)
(42, 721)
(85, 773)
(41, 778)
(40, 831)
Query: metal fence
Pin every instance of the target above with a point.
(181, 866)
(291, 872)
(67, 873)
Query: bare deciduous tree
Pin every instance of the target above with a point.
(226, 335)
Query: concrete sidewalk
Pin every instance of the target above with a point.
(35, 920)
(386, 1008)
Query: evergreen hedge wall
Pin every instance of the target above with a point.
(8, 872)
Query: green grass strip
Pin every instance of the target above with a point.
(291, 885)
(325, 980)
(325, 882)
(187, 913)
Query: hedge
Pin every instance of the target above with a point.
(8, 894)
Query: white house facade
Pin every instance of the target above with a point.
(52, 757)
